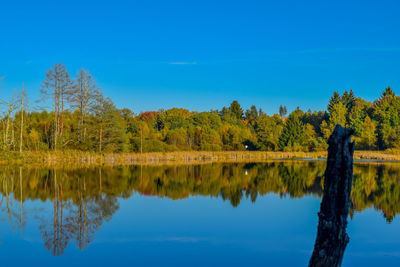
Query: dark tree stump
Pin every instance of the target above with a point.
(332, 238)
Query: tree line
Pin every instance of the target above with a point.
(81, 118)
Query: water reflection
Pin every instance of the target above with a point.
(83, 199)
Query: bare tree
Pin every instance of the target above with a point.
(58, 86)
(22, 99)
(11, 106)
(84, 98)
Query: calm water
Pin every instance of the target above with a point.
(211, 214)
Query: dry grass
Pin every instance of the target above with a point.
(78, 158)
(87, 158)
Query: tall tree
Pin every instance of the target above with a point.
(57, 85)
(110, 126)
(386, 112)
(282, 111)
(236, 110)
(84, 98)
(337, 115)
(333, 101)
(388, 92)
(22, 105)
(293, 132)
(348, 99)
(252, 114)
(268, 129)
(11, 105)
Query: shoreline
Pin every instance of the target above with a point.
(78, 158)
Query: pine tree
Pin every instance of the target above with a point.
(252, 114)
(292, 134)
(333, 100)
(348, 99)
(282, 111)
(236, 110)
(388, 92)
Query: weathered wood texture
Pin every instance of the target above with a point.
(332, 238)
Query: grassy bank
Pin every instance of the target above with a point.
(87, 158)
(75, 158)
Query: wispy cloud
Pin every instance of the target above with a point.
(183, 63)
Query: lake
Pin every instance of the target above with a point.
(236, 214)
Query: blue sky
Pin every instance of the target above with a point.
(201, 55)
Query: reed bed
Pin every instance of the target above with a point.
(78, 158)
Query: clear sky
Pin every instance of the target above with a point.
(203, 54)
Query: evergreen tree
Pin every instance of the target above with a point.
(236, 110)
(386, 113)
(282, 111)
(388, 92)
(292, 133)
(225, 114)
(348, 99)
(335, 99)
(252, 114)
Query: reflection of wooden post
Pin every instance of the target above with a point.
(331, 238)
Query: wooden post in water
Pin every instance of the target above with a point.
(332, 238)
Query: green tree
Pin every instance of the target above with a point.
(368, 135)
(293, 133)
(386, 113)
(109, 127)
(335, 99)
(177, 137)
(388, 92)
(210, 140)
(337, 115)
(348, 99)
(252, 114)
(236, 110)
(311, 140)
(282, 111)
(268, 129)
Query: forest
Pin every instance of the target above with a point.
(79, 117)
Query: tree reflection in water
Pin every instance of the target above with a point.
(83, 199)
